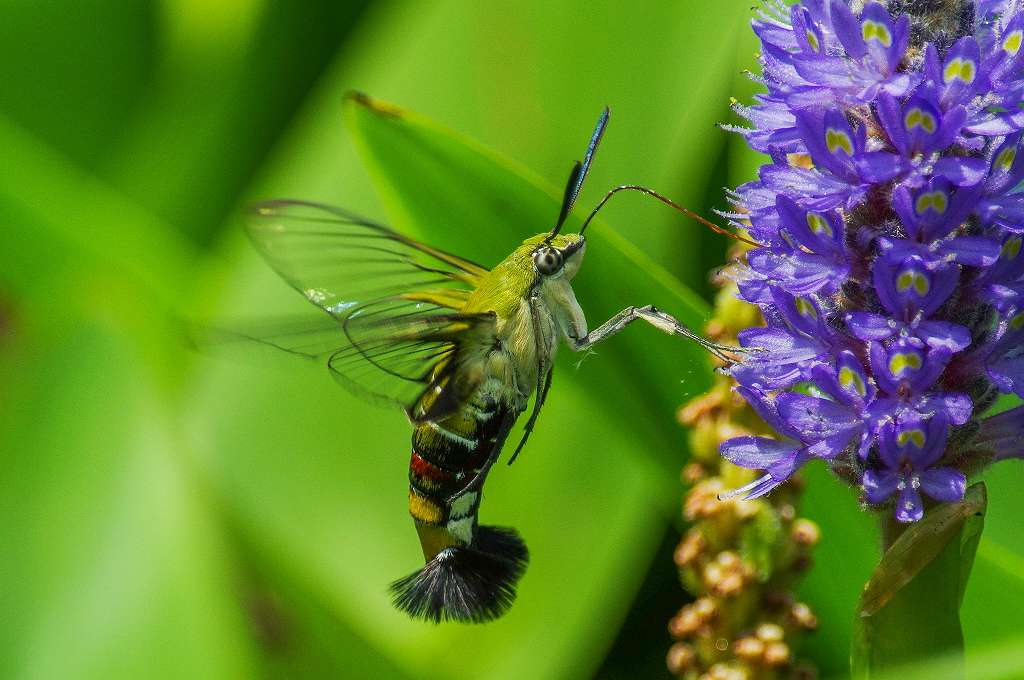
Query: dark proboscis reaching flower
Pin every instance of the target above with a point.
(891, 219)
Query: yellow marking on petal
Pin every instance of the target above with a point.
(1017, 321)
(912, 279)
(1011, 43)
(818, 224)
(805, 308)
(1011, 248)
(1005, 159)
(959, 68)
(812, 40)
(916, 436)
(850, 378)
(873, 30)
(837, 139)
(915, 117)
(934, 200)
(901, 361)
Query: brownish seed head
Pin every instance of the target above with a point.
(693, 473)
(803, 616)
(729, 559)
(702, 501)
(690, 548)
(700, 408)
(806, 532)
(770, 632)
(721, 671)
(684, 624)
(749, 649)
(716, 329)
(776, 654)
(681, 657)
(730, 584)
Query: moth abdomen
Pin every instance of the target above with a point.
(471, 571)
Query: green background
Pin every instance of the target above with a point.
(166, 514)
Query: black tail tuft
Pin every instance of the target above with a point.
(475, 584)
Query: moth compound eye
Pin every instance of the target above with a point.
(547, 260)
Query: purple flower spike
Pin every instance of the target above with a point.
(891, 275)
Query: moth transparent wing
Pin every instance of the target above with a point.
(309, 337)
(400, 338)
(429, 359)
(338, 260)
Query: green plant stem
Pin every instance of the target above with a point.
(890, 529)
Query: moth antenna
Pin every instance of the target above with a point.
(672, 204)
(579, 172)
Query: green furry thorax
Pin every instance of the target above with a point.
(509, 283)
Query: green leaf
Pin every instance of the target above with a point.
(909, 609)
(438, 184)
(117, 567)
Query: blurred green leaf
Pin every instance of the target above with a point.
(843, 561)
(72, 70)
(115, 564)
(455, 194)
(995, 593)
(225, 81)
(992, 660)
(909, 609)
(63, 219)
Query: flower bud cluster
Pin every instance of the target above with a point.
(739, 558)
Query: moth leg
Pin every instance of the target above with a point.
(478, 479)
(544, 373)
(542, 395)
(660, 320)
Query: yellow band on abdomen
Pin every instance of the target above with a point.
(424, 509)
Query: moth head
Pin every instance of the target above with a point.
(557, 256)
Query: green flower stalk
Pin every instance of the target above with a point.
(739, 558)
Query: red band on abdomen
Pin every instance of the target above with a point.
(424, 468)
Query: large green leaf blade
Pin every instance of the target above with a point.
(909, 609)
(116, 567)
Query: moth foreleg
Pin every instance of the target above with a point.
(657, 318)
